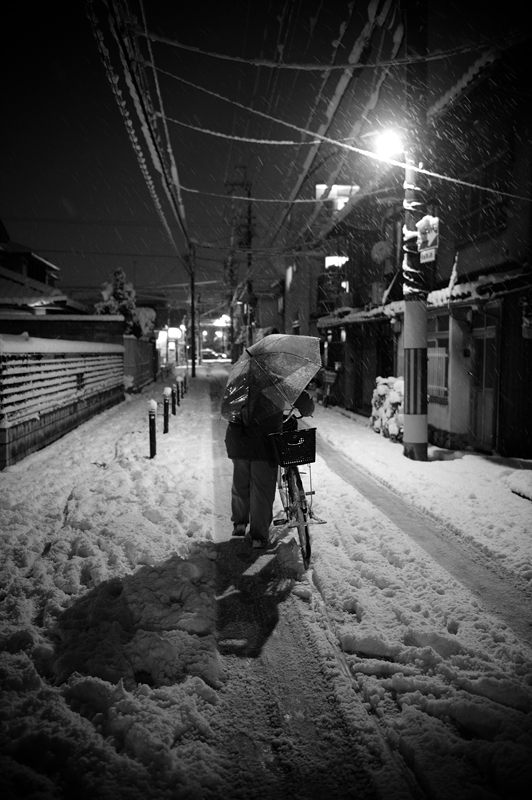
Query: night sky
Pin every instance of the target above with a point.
(71, 187)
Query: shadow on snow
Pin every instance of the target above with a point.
(177, 617)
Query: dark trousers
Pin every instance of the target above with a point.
(252, 495)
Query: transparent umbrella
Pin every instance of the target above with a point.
(269, 376)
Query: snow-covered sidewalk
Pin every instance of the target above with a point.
(483, 499)
(114, 684)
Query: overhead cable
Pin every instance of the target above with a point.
(247, 139)
(319, 98)
(114, 81)
(139, 103)
(377, 82)
(438, 55)
(357, 55)
(173, 166)
(338, 143)
(248, 199)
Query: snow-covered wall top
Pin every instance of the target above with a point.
(11, 343)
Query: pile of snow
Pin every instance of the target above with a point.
(520, 482)
(387, 415)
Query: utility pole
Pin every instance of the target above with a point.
(248, 235)
(229, 279)
(244, 231)
(415, 288)
(192, 270)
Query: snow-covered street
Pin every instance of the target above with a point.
(146, 654)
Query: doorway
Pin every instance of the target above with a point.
(484, 372)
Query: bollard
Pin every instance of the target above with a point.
(174, 393)
(177, 394)
(152, 413)
(166, 407)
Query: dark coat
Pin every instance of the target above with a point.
(252, 441)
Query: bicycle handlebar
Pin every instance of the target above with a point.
(294, 414)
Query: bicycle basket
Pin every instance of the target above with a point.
(295, 447)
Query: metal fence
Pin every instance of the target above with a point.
(49, 386)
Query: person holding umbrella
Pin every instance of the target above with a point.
(268, 379)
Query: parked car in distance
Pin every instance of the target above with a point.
(208, 354)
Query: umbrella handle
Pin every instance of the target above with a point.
(293, 412)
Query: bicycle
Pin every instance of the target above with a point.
(295, 448)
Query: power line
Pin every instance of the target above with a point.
(86, 221)
(117, 92)
(377, 82)
(139, 102)
(311, 156)
(361, 44)
(173, 166)
(338, 143)
(247, 139)
(438, 55)
(140, 106)
(256, 199)
(200, 245)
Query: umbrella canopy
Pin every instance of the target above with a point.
(269, 376)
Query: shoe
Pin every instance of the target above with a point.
(239, 529)
(259, 544)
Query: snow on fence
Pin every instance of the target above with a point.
(49, 386)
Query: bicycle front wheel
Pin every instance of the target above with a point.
(298, 505)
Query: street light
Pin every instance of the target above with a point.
(173, 334)
(388, 144)
(415, 297)
(223, 322)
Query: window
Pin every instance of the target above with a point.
(438, 358)
(438, 373)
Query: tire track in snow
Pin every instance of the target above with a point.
(298, 726)
(489, 582)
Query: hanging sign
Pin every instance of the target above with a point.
(428, 232)
(427, 254)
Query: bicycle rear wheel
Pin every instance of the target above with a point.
(282, 489)
(298, 505)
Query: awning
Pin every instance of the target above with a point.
(485, 287)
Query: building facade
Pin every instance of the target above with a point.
(479, 303)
